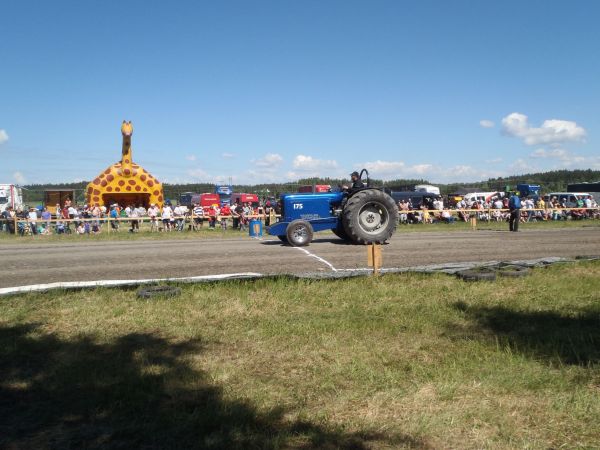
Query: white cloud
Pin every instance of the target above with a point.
(384, 168)
(420, 169)
(3, 136)
(486, 123)
(494, 161)
(198, 174)
(552, 132)
(556, 153)
(269, 161)
(461, 171)
(308, 163)
(565, 158)
(389, 170)
(520, 166)
(226, 155)
(191, 157)
(19, 178)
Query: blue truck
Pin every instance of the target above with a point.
(529, 190)
(363, 215)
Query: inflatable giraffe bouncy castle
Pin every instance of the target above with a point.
(125, 182)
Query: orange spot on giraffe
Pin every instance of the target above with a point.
(97, 181)
(131, 182)
(150, 183)
(121, 183)
(138, 188)
(143, 177)
(110, 177)
(128, 188)
(104, 183)
(109, 189)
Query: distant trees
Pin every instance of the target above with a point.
(555, 180)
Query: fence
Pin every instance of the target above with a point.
(21, 226)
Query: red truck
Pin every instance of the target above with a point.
(252, 199)
(316, 189)
(205, 200)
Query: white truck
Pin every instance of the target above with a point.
(10, 195)
(427, 188)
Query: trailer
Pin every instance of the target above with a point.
(62, 197)
(10, 195)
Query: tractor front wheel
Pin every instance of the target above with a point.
(370, 217)
(299, 233)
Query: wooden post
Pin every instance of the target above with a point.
(474, 222)
(374, 257)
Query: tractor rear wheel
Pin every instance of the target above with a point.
(340, 232)
(299, 233)
(370, 217)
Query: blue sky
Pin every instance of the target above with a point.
(261, 91)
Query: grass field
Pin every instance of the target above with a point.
(415, 361)
(206, 233)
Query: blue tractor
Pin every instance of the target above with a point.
(362, 215)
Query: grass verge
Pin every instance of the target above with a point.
(400, 361)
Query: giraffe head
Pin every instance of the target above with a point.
(126, 128)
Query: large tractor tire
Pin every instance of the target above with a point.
(299, 233)
(370, 217)
(340, 232)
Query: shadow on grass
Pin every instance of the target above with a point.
(136, 392)
(556, 338)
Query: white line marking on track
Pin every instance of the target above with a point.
(312, 255)
(114, 283)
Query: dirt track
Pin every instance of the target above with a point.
(45, 263)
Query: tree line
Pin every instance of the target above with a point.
(556, 180)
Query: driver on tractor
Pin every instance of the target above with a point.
(356, 182)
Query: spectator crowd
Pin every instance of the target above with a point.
(497, 209)
(69, 219)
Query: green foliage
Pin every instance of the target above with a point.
(556, 180)
(397, 361)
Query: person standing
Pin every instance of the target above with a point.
(114, 217)
(514, 206)
(32, 219)
(9, 217)
(153, 213)
(46, 217)
(198, 213)
(134, 215)
(225, 214)
(167, 214)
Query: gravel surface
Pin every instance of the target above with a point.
(142, 259)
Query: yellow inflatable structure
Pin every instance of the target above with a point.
(125, 183)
